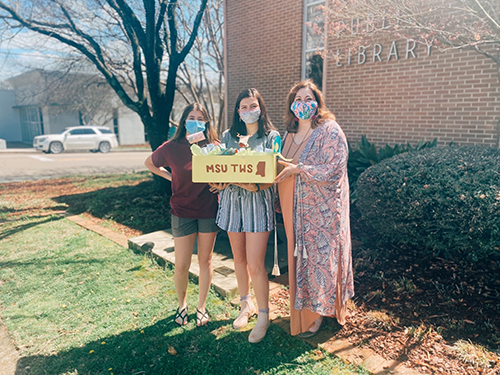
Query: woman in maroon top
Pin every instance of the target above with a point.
(193, 207)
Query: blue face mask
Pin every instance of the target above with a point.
(194, 126)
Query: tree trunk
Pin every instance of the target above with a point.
(157, 129)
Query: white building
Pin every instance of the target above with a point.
(41, 102)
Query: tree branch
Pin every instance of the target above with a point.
(98, 61)
(194, 31)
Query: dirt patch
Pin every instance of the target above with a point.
(8, 354)
(116, 227)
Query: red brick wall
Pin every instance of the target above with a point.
(451, 96)
(264, 43)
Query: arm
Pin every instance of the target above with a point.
(157, 171)
(331, 161)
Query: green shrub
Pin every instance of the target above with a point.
(365, 154)
(445, 200)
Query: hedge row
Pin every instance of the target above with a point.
(444, 200)
(365, 154)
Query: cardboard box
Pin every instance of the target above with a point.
(235, 168)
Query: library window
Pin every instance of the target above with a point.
(313, 44)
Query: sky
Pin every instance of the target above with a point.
(25, 51)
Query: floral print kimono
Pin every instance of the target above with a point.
(321, 224)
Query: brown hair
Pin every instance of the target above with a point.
(239, 127)
(210, 133)
(322, 113)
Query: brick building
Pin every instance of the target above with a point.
(395, 91)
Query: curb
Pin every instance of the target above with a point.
(32, 150)
(8, 353)
(223, 278)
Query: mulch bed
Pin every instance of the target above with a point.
(425, 306)
(421, 310)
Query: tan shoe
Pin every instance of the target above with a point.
(247, 311)
(313, 330)
(260, 329)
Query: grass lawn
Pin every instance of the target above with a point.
(77, 303)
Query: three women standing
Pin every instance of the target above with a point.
(314, 197)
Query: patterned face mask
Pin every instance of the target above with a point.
(251, 116)
(304, 110)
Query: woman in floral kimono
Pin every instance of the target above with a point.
(314, 197)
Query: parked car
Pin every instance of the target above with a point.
(92, 138)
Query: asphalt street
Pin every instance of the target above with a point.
(27, 165)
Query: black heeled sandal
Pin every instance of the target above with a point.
(183, 315)
(200, 318)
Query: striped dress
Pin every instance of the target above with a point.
(241, 210)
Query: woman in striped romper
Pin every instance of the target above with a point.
(246, 212)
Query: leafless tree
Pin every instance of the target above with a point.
(201, 75)
(138, 47)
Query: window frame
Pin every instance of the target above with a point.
(307, 4)
(75, 132)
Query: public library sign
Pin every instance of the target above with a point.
(376, 52)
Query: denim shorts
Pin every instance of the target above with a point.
(184, 227)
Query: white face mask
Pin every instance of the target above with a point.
(251, 116)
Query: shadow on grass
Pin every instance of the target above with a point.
(42, 262)
(31, 224)
(165, 348)
(138, 207)
(6, 210)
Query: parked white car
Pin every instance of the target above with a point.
(92, 138)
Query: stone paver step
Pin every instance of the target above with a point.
(223, 279)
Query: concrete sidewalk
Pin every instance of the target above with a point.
(20, 147)
(8, 353)
(224, 278)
